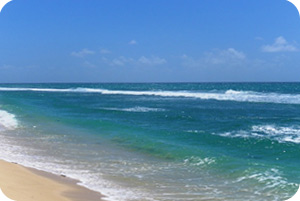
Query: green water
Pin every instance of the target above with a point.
(208, 141)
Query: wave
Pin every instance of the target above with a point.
(33, 157)
(278, 133)
(136, 109)
(281, 134)
(266, 180)
(8, 121)
(198, 161)
(229, 95)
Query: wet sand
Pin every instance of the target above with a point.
(26, 184)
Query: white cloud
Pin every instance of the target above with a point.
(229, 56)
(89, 64)
(132, 42)
(152, 60)
(191, 62)
(117, 62)
(121, 61)
(232, 53)
(82, 53)
(280, 45)
(105, 51)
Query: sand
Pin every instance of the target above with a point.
(26, 184)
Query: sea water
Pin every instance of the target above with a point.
(155, 141)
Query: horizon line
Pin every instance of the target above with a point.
(180, 82)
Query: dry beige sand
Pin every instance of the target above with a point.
(26, 184)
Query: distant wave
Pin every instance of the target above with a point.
(273, 132)
(229, 95)
(136, 109)
(8, 121)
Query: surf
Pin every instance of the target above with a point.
(228, 95)
(8, 121)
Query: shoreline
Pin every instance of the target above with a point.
(21, 183)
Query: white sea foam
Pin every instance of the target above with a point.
(92, 175)
(266, 181)
(229, 95)
(136, 109)
(34, 157)
(279, 133)
(8, 121)
(198, 161)
(282, 134)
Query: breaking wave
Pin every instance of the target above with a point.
(8, 121)
(265, 181)
(136, 109)
(229, 95)
(278, 133)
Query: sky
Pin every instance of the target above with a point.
(149, 41)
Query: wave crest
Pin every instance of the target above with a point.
(273, 132)
(229, 95)
(136, 109)
(8, 121)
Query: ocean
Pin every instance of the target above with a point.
(159, 141)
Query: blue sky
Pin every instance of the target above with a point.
(149, 41)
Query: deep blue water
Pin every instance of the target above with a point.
(188, 141)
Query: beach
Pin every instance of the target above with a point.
(27, 184)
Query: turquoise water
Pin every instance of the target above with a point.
(208, 141)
